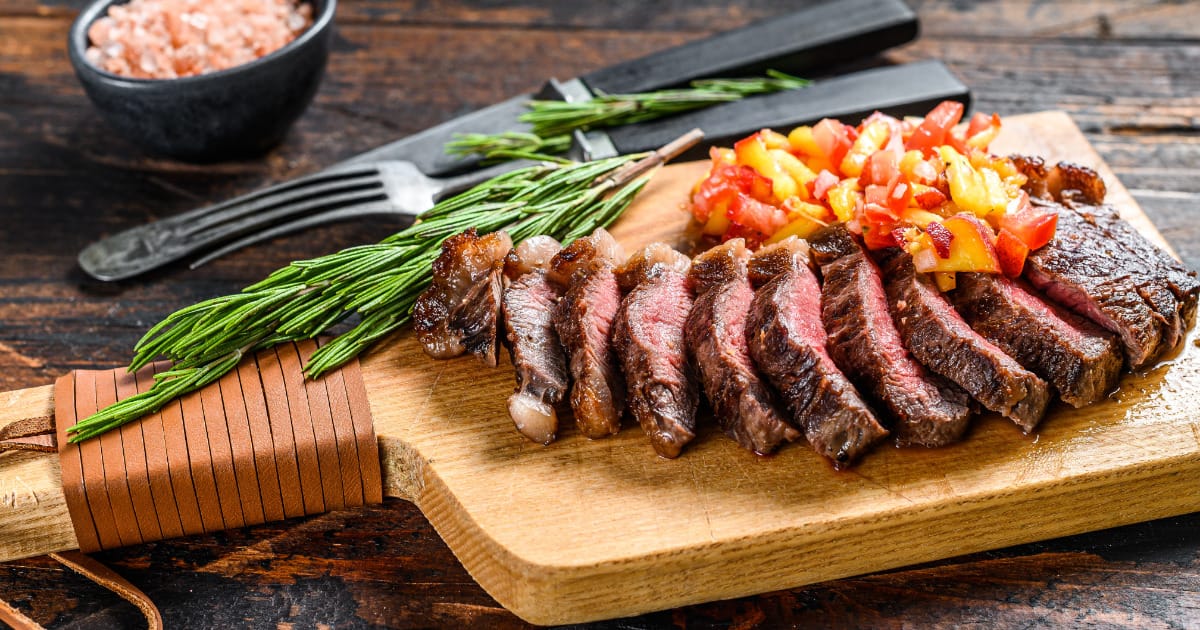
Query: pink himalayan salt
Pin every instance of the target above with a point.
(165, 39)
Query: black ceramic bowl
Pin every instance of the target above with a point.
(237, 112)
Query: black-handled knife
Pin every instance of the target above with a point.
(809, 40)
(911, 89)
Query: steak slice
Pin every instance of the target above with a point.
(1101, 267)
(1167, 274)
(660, 385)
(1063, 179)
(716, 338)
(460, 310)
(537, 355)
(787, 342)
(1081, 360)
(583, 320)
(940, 339)
(862, 339)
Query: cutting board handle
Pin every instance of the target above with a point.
(25, 412)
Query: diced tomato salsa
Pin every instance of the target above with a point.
(927, 184)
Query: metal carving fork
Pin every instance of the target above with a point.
(336, 194)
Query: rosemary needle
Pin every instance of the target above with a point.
(552, 122)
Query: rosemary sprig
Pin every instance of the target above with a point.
(377, 282)
(510, 145)
(553, 121)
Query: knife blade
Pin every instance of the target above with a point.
(812, 38)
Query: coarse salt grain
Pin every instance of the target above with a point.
(165, 39)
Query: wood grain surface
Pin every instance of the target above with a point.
(1124, 70)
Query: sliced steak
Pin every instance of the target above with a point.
(941, 340)
(460, 310)
(1101, 267)
(787, 342)
(537, 355)
(1063, 179)
(648, 338)
(925, 409)
(583, 320)
(1168, 278)
(716, 338)
(1081, 360)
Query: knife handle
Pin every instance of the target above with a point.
(911, 89)
(820, 35)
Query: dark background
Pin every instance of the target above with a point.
(1126, 71)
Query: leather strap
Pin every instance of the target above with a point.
(262, 443)
(98, 573)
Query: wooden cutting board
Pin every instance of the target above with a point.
(583, 530)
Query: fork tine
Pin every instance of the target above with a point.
(319, 184)
(329, 216)
(250, 223)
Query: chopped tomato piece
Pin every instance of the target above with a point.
(869, 142)
(933, 130)
(899, 193)
(719, 187)
(879, 236)
(1011, 252)
(927, 197)
(833, 139)
(821, 185)
(756, 215)
(1034, 226)
(879, 168)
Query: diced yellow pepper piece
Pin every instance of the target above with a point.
(795, 169)
(997, 193)
(919, 217)
(971, 248)
(802, 226)
(945, 280)
(797, 208)
(801, 139)
(753, 152)
(968, 188)
(723, 155)
(844, 198)
(774, 139)
(908, 164)
(718, 221)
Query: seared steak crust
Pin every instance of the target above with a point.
(787, 342)
(460, 310)
(716, 337)
(537, 355)
(648, 338)
(940, 339)
(583, 320)
(925, 410)
(1101, 267)
(1081, 360)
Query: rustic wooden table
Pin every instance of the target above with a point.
(1126, 70)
